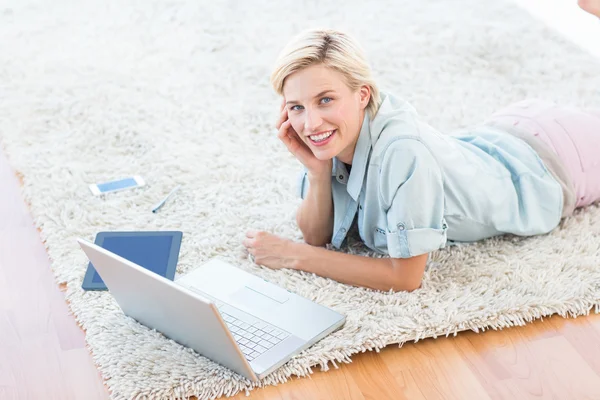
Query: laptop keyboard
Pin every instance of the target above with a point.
(253, 336)
(253, 339)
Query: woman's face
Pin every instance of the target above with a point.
(325, 112)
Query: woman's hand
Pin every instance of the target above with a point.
(271, 250)
(298, 148)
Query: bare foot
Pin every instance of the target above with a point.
(591, 6)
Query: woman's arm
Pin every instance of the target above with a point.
(385, 274)
(315, 214)
(376, 273)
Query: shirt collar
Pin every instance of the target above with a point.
(359, 162)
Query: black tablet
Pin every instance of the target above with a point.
(155, 251)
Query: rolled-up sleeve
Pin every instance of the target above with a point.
(412, 194)
(302, 185)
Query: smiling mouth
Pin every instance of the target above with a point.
(323, 137)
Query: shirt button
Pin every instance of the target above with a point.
(341, 177)
(343, 230)
(400, 227)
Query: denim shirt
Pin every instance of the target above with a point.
(415, 189)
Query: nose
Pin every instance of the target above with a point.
(312, 121)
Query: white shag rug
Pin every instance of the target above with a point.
(178, 92)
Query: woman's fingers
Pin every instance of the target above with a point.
(284, 130)
(294, 144)
(288, 137)
(248, 243)
(250, 239)
(291, 140)
(283, 116)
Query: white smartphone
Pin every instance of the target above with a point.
(114, 186)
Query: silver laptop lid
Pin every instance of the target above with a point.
(160, 304)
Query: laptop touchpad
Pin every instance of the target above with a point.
(256, 297)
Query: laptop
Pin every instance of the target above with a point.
(236, 319)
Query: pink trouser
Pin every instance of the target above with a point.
(573, 135)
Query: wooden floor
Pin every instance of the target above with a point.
(43, 354)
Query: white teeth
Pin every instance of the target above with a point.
(321, 137)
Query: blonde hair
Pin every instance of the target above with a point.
(333, 49)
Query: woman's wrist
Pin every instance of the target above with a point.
(320, 177)
(298, 254)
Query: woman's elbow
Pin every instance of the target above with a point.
(407, 273)
(314, 239)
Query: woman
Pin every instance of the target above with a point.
(410, 190)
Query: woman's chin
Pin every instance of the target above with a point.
(324, 155)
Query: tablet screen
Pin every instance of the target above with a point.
(155, 251)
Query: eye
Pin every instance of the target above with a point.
(326, 100)
(293, 108)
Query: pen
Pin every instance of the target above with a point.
(158, 205)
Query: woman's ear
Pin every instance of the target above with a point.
(365, 95)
